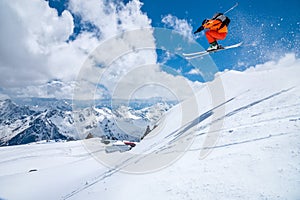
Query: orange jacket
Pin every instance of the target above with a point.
(214, 24)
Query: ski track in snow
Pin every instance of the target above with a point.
(209, 113)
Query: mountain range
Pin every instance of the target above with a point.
(29, 120)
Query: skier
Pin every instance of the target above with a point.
(217, 30)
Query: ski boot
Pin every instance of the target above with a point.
(214, 46)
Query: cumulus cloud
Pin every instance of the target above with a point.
(144, 79)
(30, 30)
(179, 25)
(34, 39)
(288, 60)
(111, 17)
(38, 59)
(194, 71)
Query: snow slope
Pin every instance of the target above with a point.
(246, 147)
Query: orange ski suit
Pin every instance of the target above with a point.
(214, 33)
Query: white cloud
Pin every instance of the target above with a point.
(35, 51)
(194, 71)
(144, 80)
(288, 60)
(33, 39)
(30, 30)
(101, 14)
(110, 17)
(179, 25)
(51, 89)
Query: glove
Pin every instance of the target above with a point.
(201, 28)
(205, 21)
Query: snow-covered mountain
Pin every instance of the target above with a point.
(21, 125)
(51, 119)
(254, 156)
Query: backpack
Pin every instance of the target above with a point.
(224, 19)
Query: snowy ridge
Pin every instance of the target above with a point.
(254, 157)
(54, 120)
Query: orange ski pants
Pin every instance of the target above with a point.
(212, 36)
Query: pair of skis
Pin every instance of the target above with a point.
(203, 53)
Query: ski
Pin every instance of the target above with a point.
(203, 53)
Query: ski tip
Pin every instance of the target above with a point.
(236, 45)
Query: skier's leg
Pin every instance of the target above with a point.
(212, 36)
(209, 37)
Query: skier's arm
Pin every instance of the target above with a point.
(201, 28)
(212, 24)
